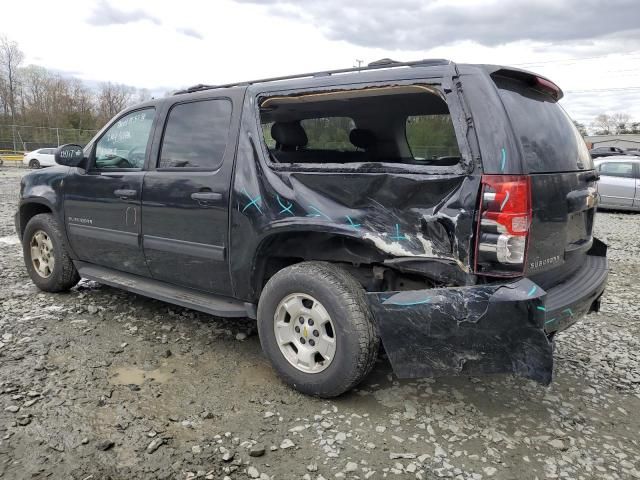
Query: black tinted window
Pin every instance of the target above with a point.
(617, 169)
(196, 135)
(550, 142)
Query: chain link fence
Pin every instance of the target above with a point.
(25, 138)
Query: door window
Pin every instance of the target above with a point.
(196, 135)
(431, 136)
(124, 144)
(329, 133)
(617, 169)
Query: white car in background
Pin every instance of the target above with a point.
(42, 157)
(619, 184)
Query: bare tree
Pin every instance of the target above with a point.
(113, 98)
(613, 124)
(602, 124)
(11, 58)
(620, 122)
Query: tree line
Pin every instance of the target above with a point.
(609, 124)
(38, 97)
(614, 124)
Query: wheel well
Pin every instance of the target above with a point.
(28, 211)
(283, 249)
(361, 259)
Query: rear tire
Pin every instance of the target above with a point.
(33, 163)
(48, 263)
(329, 295)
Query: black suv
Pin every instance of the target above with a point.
(445, 210)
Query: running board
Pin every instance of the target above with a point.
(185, 297)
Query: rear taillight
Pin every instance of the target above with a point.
(503, 225)
(548, 87)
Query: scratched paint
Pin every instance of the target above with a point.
(316, 212)
(285, 209)
(362, 203)
(352, 224)
(253, 202)
(489, 326)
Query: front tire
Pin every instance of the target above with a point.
(33, 163)
(45, 255)
(316, 328)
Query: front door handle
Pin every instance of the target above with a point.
(124, 194)
(206, 196)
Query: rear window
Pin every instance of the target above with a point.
(550, 142)
(617, 169)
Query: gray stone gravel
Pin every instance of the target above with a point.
(99, 383)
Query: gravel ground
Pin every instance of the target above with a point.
(99, 383)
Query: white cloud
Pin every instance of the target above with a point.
(164, 45)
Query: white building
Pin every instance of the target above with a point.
(624, 141)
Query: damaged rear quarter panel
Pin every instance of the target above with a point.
(396, 213)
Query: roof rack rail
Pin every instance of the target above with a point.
(377, 65)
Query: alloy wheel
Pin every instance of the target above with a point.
(42, 256)
(305, 333)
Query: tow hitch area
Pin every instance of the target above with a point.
(466, 330)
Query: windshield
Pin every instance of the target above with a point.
(550, 142)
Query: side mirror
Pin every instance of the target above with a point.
(70, 155)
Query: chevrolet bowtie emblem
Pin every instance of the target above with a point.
(304, 332)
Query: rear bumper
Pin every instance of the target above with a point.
(579, 294)
(497, 328)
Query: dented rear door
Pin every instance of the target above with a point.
(549, 148)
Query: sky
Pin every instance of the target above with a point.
(591, 48)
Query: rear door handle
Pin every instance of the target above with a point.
(207, 196)
(123, 193)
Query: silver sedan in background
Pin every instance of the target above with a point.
(619, 184)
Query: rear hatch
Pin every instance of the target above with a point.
(562, 176)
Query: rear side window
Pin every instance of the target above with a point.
(617, 169)
(384, 125)
(196, 135)
(431, 136)
(549, 140)
(329, 133)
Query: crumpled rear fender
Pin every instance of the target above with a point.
(495, 328)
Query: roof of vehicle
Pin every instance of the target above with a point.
(617, 158)
(381, 70)
(384, 65)
(385, 70)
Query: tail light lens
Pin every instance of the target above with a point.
(503, 225)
